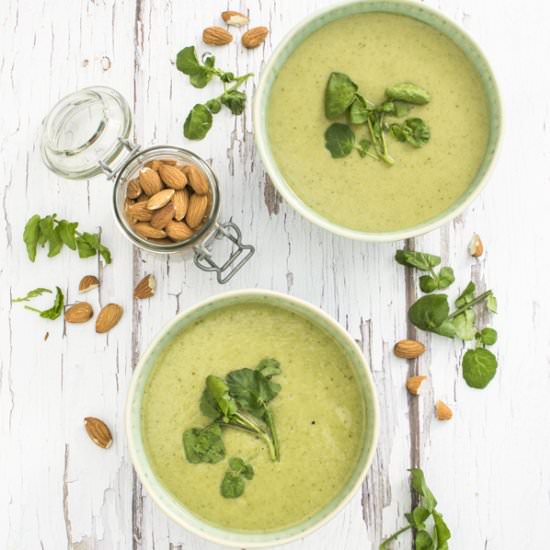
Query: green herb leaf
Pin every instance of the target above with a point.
(487, 336)
(234, 100)
(214, 105)
(417, 517)
(464, 325)
(479, 366)
(269, 367)
(188, 63)
(423, 541)
(420, 260)
(56, 310)
(417, 132)
(429, 312)
(218, 392)
(252, 390)
(87, 245)
(492, 303)
(359, 110)
(427, 284)
(339, 94)
(67, 233)
(363, 147)
(204, 444)
(418, 482)
(339, 140)
(409, 93)
(239, 466)
(446, 277)
(31, 294)
(198, 122)
(31, 235)
(446, 328)
(442, 531)
(467, 295)
(232, 485)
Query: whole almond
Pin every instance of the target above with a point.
(162, 216)
(133, 191)
(79, 313)
(409, 349)
(158, 200)
(254, 37)
(414, 383)
(145, 288)
(108, 317)
(98, 432)
(196, 210)
(169, 162)
(148, 231)
(178, 231)
(234, 18)
(149, 180)
(443, 411)
(139, 212)
(87, 283)
(197, 179)
(475, 248)
(172, 176)
(216, 36)
(180, 200)
(154, 164)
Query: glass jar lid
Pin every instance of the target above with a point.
(85, 131)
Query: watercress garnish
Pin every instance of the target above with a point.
(31, 294)
(418, 516)
(339, 140)
(414, 131)
(204, 444)
(51, 313)
(40, 231)
(339, 94)
(233, 484)
(409, 93)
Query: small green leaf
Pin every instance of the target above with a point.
(418, 482)
(363, 147)
(429, 312)
(67, 233)
(359, 110)
(105, 253)
(31, 235)
(409, 93)
(446, 328)
(442, 531)
(417, 517)
(339, 94)
(248, 472)
(479, 367)
(31, 294)
(187, 62)
(214, 106)
(467, 295)
(446, 278)
(198, 122)
(235, 101)
(420, 260)
(427, 284)
(492, 303)
(487, 336)
(423, 541)
(232, 485)
(87, 244)
(204, 445)
(201, 78)
(269, 367)
(464, 325)
(417, 132)
(56, 310)
(236, 464)
(339, 140)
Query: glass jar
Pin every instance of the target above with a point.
(87, 133)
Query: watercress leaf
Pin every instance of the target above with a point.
(248, 471)
(208, 406)
(87, 244)
(31, 294)
(417, 517)
(409, 93)
(467, 295)
(446, 328)
(339, 140)
(235, 101)
(418, 133)
(204, 444)
(339, 94)
(232, 485)
(67, 233)
(418, 482)
(210, 61)
(427, 284)
(269, 367)
(243, 387)
(423, 540)
(487, 336)
(359, 110)
(236, 464)
(479, 366)
(200, 78)
(227, 77)
(48, 234)
(219, 391)
(491, 303)
(446, 277)
(429, 312)
(464, 325)
(57, 309)
(31, 235)
(214, 105)
(388, 107)
(363, 147)
(198, 122)
(187, 62)
(398, 132)
(420, 260)
(105, 253)
(443, 534)
(401, 108)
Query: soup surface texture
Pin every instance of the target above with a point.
(319, 415)
(378, 50)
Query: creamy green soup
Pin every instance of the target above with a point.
(319, 413)
(378, 50)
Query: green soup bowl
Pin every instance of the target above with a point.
(162, 496)
(407, 8)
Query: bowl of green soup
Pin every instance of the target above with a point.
(252, 419)
(377, 120)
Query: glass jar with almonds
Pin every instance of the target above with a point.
(165, 198)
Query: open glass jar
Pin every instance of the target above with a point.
(86, 134)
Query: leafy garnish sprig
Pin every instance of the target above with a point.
(52, 312)
(342, 98)
(232, 485)
(57, 233)
(199, 120)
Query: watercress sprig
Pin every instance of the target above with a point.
(52, 312)
(232, 485)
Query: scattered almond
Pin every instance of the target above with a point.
(414, 383)
(178, 231)
(180, 201)
(87, 283)
(475, 248)
(149, 180)
(216, 36)
(254, 37)
(133, 191)
(443, 411)
(197, 179)
(409, 349)
(162, 216)
(234, 18)
(158, 200)
(79, 313)
(98, 431)
(196, 210)
(172, 176)
(145, 288)
(147, 231)
(139, 212)
(108, 317)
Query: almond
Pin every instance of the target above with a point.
(196, 210)
(409, 349)
(475, 248)
(443, 411)
(145, 288)
(172, 176)
(169, 162)
(149, 180)
(158, 200)
(142, 198)
(180, 200)
(98, 431)
(108, 317)
(254, 37)
(133, 191)
(154, 164)
(162, 216)
(178, 231)
(197, 179)
(414, 383)
(79, 313)
(216, 36)
(139, 212)
(148, 232)
(234, 18)
(87, 283)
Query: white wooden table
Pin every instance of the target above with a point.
(489, 466)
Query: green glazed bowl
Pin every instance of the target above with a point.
(167, 502)
(402, 7)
